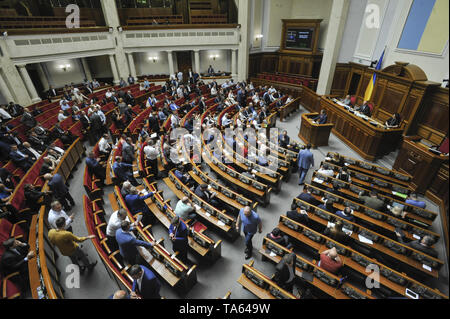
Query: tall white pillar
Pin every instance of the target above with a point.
(132, 65)
(333, 43)
(243, 20)
(170, 58)
(42, 76)
(197, 61)
(114, 69)
(5, 90)
(233, 63)
(28, 83)
(86, 69)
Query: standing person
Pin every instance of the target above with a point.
(128, 243)
(305, 160)
(251, 222)
(67, 244)
(151, 155)
(114, 223)
(178, 233)
(145, 284)
(60, 190)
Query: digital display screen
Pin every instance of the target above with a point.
(299, 39)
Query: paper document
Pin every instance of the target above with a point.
(220, 223)
(348, 232)
(318, 180)
(272, 254)
(330, 224)
(208, 214)
(365, 240)
(426, 267)
(416, 236)
(136, 173)
(197, 207)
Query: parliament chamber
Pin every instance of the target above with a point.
(224, 149)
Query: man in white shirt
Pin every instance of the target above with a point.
(27, 146)
(225, 120)
(174, 120)
(325, 171)
(151, 154)
(101, 114)
(180, 76)
(5, 115)
(56, 212)
(103, 146)
(113, 225)
(61, 116)
(108, 94)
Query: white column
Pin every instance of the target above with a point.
(197, 61)
(42, 76)
(233, 63)
(86, 69)
(243, 20)
(114, 69)
(5, 90)
(29, 83)
(170, 58)
(333, 43)
(132, 65)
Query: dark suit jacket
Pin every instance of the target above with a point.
(85, 121)
(27, 152)
(181, 237)
(58, 186)
(11, 261)
(282, 272)
(127, 245)
(123, 171)
(204, 195)
(128, 154)
(150, 285)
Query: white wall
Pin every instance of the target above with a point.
(146, 66)
(279, 9)
(3, 99)
(257, 23)
(351, 31)
(318, 9)
(59, 77)
(223, 63)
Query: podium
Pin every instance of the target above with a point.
(315, 134)
(417, 160)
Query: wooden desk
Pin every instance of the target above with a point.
(315, 134)
(371, 142)
(416, 160)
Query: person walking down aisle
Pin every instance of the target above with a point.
(250, 221)
(305, 161)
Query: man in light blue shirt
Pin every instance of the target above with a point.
(250, 222)
(305, 160)
(64, 105)
(184, 209)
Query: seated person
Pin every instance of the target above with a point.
(20, 159)
(346, 214)
(307, 197)
(5, 193)
(284, 139)
(300, 216)
(343, 175)
(184, 209)
(364, 109)
(394, 121)
(48, 166)
(372, 201)
(336, 233)
(325, 171)
(347, 100)
(184, 177)
(6, 178)
(412, 200)
(328, 206)
(207, 196)
(322, 118)
(424, 244)
(124, 171)
(330, 261)
(279, 238)
(34, 198)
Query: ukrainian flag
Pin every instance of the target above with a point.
(369, 90)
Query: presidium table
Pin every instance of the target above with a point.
(313, 133)
(367, 136)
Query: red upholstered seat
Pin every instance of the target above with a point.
(9, 289)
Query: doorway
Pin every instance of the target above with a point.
(184, 61)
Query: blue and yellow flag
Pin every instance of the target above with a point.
(369, 90)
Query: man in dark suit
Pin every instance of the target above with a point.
(307, 197)
(28, 119)
(145, 283)
(20, 159)
(322, 118)
(96, 126)
(305, 160)
(202, 105)
(128, 151)
(85, 121)
(153, 123)
(124, 171)
(284, 139)
(129, 99)
(15, 259)
(178, 233)
(51, 93)
(202, 192)
(128, 243)
(96, 168)
(60, 190)
(136, 203)
(285, 272)
(364, 109)
(130, 80)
